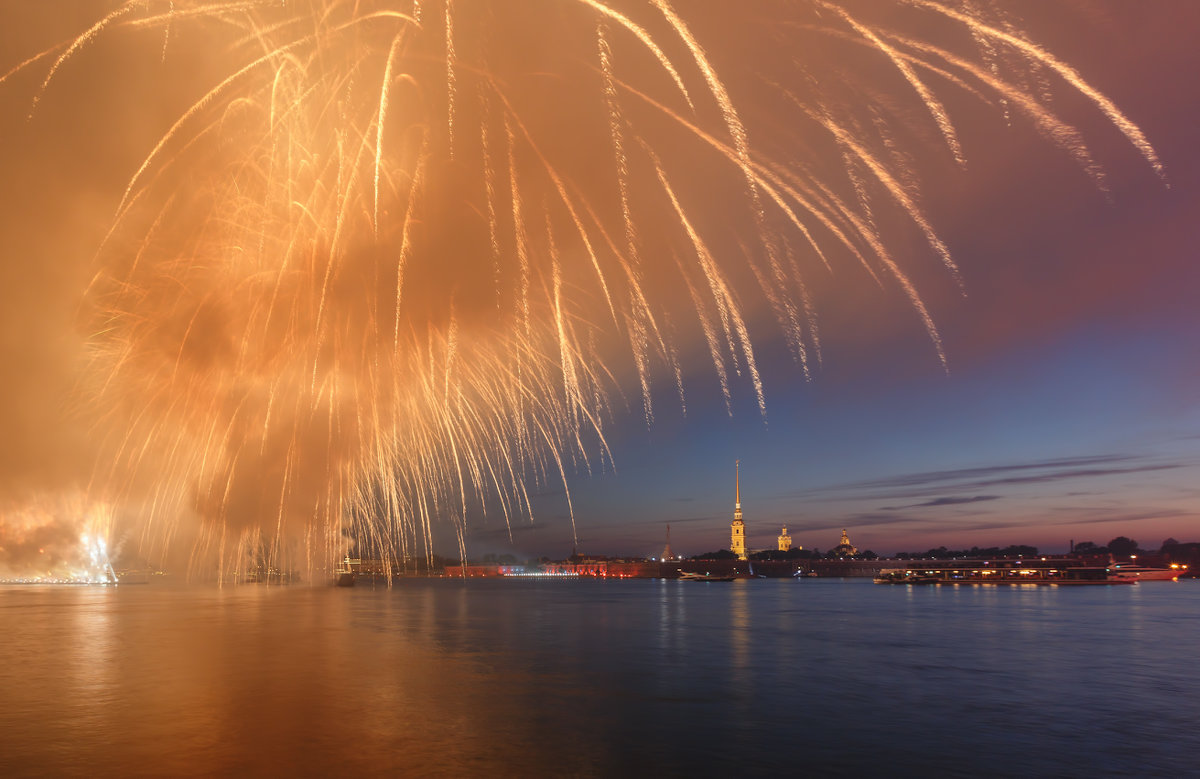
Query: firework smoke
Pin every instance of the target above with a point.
(64, 539)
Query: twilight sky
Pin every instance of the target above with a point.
(302, 306)
(1071, 406)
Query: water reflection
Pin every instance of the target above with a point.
(596, 678)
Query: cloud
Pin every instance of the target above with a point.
(946, 501)
(857, 520)
(929, 483)
(483, 534)
(983, 473)
(1134, 517)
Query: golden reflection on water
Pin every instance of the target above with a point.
(739, 632)
(592, 678)
(185, 684)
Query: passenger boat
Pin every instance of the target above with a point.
(996, 576)
(1144, 573)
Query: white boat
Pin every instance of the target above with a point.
(691, 576)
(1144, 573)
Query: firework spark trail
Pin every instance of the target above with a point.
(519, 235)
(167, 30)
(641, 323)
(733, 122)
(614, 128)
(770, 180)
(451, 81)
(1072, 76)
(882, 175)
(489, 183)
(785, 310)
(932, 103)
(572, 211)
(405, 254)
(1064, 135)
(731, 318)
(257, 301)
(570, 381)
(646, 41)
(84, 39)
(382, 121)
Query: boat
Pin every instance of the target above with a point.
(692, 576)
(991, 576)
(344, 573)
(1143, 573)
(909, 577)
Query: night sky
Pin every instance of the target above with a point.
(1066, 407)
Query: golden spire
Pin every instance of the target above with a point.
(737, 483)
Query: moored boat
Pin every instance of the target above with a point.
(992, 576)
(1143, 573)
(344, 575)
(692, 576)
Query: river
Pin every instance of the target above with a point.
(600, 678)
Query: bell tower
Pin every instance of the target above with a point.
(785, 540)
(737, 540)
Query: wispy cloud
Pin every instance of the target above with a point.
(1134, 517)
(984, 473)
(944, 501)
(936, 483)
(867, 519)
(481, 534)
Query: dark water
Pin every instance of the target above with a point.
(536, 678)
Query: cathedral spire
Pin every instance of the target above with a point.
(737, 539)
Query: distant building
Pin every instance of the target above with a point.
(844, 547)
(666, 555)
(785, 541)
(737, 541)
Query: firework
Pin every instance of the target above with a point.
(64, 540)
(392, 261)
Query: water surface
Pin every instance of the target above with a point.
(554, 677)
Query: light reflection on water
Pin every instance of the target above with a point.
(600, 678)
